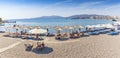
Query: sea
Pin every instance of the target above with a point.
(58, 22)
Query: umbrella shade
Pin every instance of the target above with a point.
(37, 31)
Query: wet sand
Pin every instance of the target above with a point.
(94, 46)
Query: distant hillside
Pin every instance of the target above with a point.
(49, 17)
(83, 16)
(94, 17)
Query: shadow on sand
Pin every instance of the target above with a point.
(45, 50)
(6, 35)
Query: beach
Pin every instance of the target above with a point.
(94, 46)
(60, 29)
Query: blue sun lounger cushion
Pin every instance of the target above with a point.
(94, 33)
(113, 33)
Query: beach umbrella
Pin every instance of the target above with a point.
(24, 29)
(88, 26)
(97, 26)
(37, 31)
(65, 28)
(30, 27)
(38, 27)
(116, 23)
(58, 29)
(47, 26)
(8, 29)
(79, 27)
(2, 28)
(16, 27)
(70, 27)
(109, 26)
(74, 27)
(103, 25)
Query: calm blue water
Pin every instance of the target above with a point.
(59, 22)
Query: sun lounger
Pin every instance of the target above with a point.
(25, 37)
(2, 31)
(50, 35)
(28, 47)
(61, 38)
(113, 33)
(102, 31)
(75, 35)
(95, 33)
(85, 34)
(42, 34)
(40, 38)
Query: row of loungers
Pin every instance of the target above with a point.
(106, 31)
(26, 35)
(88, 33)
(113, 33)
(66, 36)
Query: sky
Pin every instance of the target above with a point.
(18, 9)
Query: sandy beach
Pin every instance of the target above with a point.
(94, 46)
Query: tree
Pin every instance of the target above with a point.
(0, 19)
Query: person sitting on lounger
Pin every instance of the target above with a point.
(39, 45)
(42, 43)
(37, 36)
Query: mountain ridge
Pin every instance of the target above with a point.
(81, 16)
